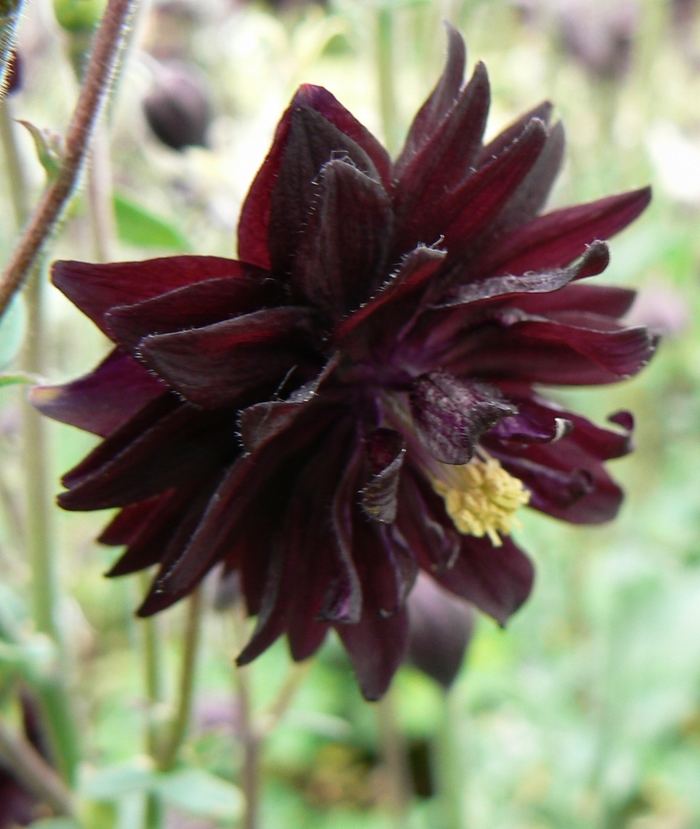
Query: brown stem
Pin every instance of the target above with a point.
(26, 764)
(393, 751)
(103, 59)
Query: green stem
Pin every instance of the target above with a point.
(20, 757)
(385, 73)
(16, 175)
(181, 721)
(393, 752)
(448, 763)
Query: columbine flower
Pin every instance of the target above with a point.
(352, 400)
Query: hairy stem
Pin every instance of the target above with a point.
(183, 712)
(10, 12)
(98, 75)
(20, 757)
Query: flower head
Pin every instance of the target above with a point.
(354, 399)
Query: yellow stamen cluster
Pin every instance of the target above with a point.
(484, 500)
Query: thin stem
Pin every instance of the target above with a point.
(394, 756)
(10, 11)
(20, 757)
(285, 696)
(385, 73)
(248, 732)
(16, 175)
(103, 58)
(183, 712)
(99, 192)
(448, 769)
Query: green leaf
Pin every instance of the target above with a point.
(55, 823)
(201, 793)
(12, 327)
(114, 782)
(137, 226)
(48, 148)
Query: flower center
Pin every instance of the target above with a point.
(482, 498)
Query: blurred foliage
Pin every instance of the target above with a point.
(586, 711)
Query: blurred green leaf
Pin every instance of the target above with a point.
(137, 226)
(16, 379)
(48, 148)
(201, 793)
(12, 327)
(114, 782)
(55, 823)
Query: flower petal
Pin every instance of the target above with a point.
(235, 362)
(105, 399)
(192, 306)
(385, 449)
(253, 228)
(438, 104)
(312, 143)
(440, 627)
(97, 288)
(496, 579)
(450, 415)
(377, 647)
(447, 158)
(342, 251)
(142, 459)
(556, 239)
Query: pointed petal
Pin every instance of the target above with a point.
(312, 143)
(439, 103)
(192, 306)
(556, 239)
(386, 449)
(496, 579)
(232, 363)
(446, 159)
(97, 288)
(450, 415)
(181, 446)
(253, 229)
(343, 247)
(495, 147)
(413, 277)
(376, 647)
(440, 627)
(608, 300)
(105, 399)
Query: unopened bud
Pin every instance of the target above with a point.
(177, 108)
(78, 16)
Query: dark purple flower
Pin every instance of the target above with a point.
(353, 400)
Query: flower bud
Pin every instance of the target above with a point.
(78, 16)
(177, 108)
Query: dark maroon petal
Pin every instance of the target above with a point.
(483, 195)
(312, 142)
(105, 399)
(192, 306)
(496, 146)
(344, 600)
(440, 627)
(227, 363)
(531, 195)
(253, 228)
(533, 423)
(446, 159)
(377, 647)
(608, 300)
(130, 521)
(496, 579)
(272, 615)
(414, 275)
(342, 250)
(594, 261)
(439, 102)
(460, 214)
(97, 288)
(385, 449)
(556, 239)
(425, 525)
(450, 415)
(241, 488)
(181, 446)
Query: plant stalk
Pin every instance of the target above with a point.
(393, 752)
(385, 74)
(169, 754)
(98, 76)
